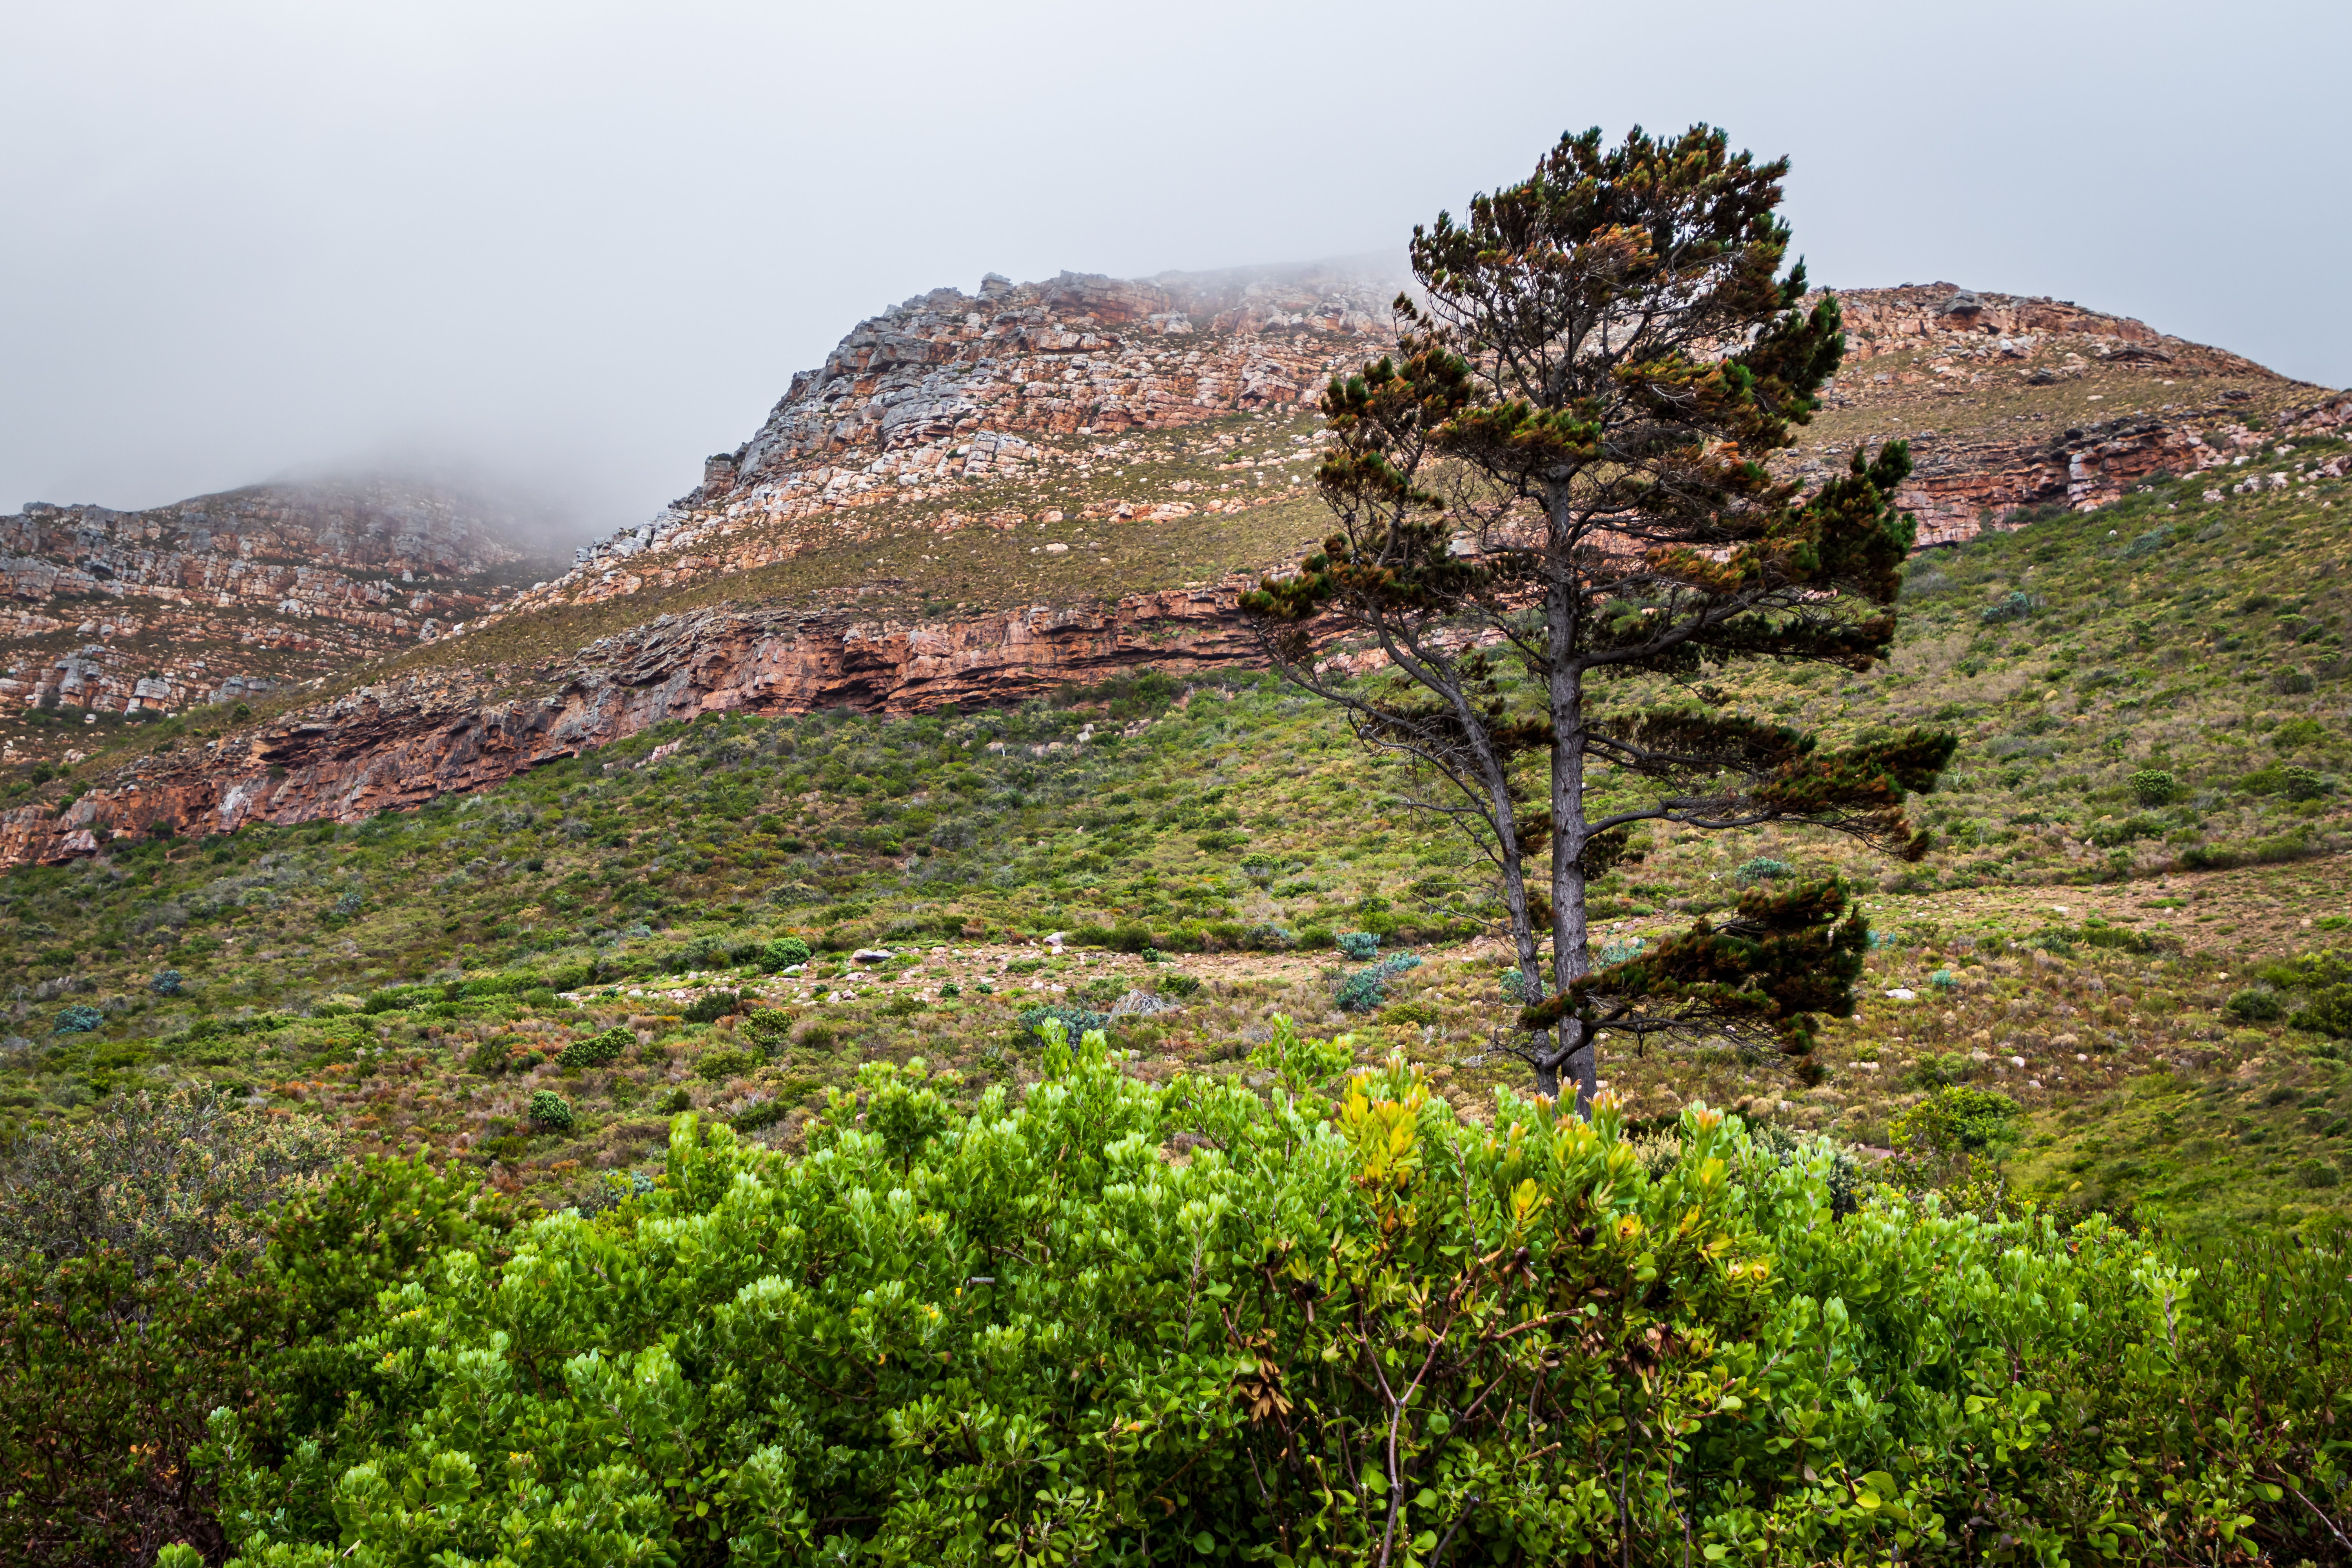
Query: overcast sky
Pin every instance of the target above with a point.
(587, 244)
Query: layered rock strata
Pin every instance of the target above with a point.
(1962, 344)
(402, 743)
(223, 595)
(950, 391)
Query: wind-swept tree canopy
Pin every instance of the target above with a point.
(1560, 471)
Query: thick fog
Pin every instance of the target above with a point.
(582, 245)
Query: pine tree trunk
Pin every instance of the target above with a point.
(1570, 959)
(1586, 1064)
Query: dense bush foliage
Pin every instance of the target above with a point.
(111, 1370)
(1110, 1322)
(181, 1177)
(600, 1050)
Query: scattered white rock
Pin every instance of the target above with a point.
(871, 955)
(1901, 993)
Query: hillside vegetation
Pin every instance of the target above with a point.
(2143, 816)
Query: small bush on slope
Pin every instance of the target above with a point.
(1031, 1334)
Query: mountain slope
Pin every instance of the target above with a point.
(2095, 942)
(981, 497)
(112, 615)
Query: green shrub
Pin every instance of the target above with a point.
(1076, 1021)
(1178, 985)
(400, 998)
(2297, 732)
(712, 1006)
(2255, 1007)
(716, 1065)
(675, 1101)
(2116, 939)
(598, 1050)
(769, 1027)
(750, 1312)
(1359, 945)
(114, 1370)
(820, 1036)
(550, 1112)
(2014, 605)
(495, 1055)
(1957, 1119)
(2108, 831)
(2301, 784)
(184, 1175)
(2154, 786)
(1761, 868)
(167, 983)
(2317, 1174)
(1614, 951)
(1363, 990)
(759, 1114)
(79, 1018)
(787, 951)
(2326, 1010)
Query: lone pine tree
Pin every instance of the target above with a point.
(1559, 474)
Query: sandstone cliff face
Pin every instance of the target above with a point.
(402, 745)
(228, 595)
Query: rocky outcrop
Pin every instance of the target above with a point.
(402, 743)
(1882, 320)
(1959, 488)
(225, 594)
(1971, 345)
(950, 391)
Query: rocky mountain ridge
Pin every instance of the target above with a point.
(401, 743)
(1050, 408)
(1914, 352)
(225, 596)
(948, 393)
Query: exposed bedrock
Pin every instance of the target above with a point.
(401, 744)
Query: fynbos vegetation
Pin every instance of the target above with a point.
(1094, 1129)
